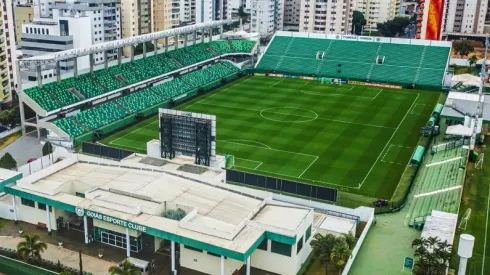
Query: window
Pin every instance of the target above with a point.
(281, 248)
(192, 248)
(299, 245)
(308, 234)
(42, 206)
(81, 195)
(216, 255)
(27, 202)
(263, 245)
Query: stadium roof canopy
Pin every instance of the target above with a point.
(458, 104)
(72, 53)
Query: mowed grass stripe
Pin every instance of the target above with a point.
(323, 152)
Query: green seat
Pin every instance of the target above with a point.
(69, 126)
(42, 98)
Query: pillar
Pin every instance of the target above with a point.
(132, 53)
(14, 203)
(106, 61)
(222, 265)
(128, 242)
(166, 44)
(37, 127)
(185, 40)
(203, 33)
(48, 220)
(248, 266)
(172, 255)
(221, 29)
(85, 229)
(119, 56)
(91, 59)
(144, 49)
(39, 76)
(195, 37)
(176, 42)
(21, 102)
(210, 34)
(75, 67)
(58, 71)
(155, 44)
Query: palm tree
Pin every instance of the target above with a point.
(433, 256)
(350, 240)
(125, 268)
(31, 248)
(340, 254)
(322, 246)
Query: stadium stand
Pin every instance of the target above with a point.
(55, 95)
(439, 184)
(121, 107)
(402, 63)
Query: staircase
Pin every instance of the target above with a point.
(289, 46)
(320, 65)
(52, 96)
(420, 66)
(370, 72)
(278, 65)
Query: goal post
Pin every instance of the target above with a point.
(479, 161)
(464, 220)
(229, 161)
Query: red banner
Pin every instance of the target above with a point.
(434, 20)
(398, 87)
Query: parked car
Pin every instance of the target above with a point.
(31, 160)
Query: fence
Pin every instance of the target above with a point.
(14, 267)
(282, 185)
(105, 151)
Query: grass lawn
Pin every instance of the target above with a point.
(476, 195)
(357, 139)
(4, 142)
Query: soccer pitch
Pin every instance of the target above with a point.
(354, 138)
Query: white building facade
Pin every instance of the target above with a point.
(326, 16)
(211, 10)
(462, 16)
(267, 17)
(8, 73)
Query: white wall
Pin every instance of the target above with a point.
(208, 264)
(33, 215)
(6, 207)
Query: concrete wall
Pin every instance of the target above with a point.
(208, 264)
(282, 264)
(33, 215)
(6, 207)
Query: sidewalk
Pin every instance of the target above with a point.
(66, 257)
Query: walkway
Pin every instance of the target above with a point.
(24, 148)
(387, 244)
(67, 257)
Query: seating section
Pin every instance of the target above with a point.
(72, 90)
(403, 64)
(121, 107)
(438, 184)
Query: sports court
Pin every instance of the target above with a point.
(351, 137)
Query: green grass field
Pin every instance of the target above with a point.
(355, 138)
(476, 196)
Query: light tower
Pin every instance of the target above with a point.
(465, 251)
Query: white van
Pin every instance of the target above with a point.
(144, 266)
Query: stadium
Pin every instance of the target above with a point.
(315, 113)
(338, 120)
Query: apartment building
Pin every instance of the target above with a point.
(462, 16)
(47, 35)
(377, 11)
(291, 15)
(326, 16)
(267, 17)
(24, 13)
(8, 73)
(161, 15)
(210, 10)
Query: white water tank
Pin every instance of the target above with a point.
(465, 247)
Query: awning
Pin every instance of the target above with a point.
(459, 130)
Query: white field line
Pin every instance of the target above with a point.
(280, 113)
(308, 167)
(259, 163)
(438, 191)
(332, 94)
(377, 94)
(486, 234)
(279, 150)
(277, 82)
(396, 130)
(134, 131)
(442, 161)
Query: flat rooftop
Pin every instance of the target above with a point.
(134, 192)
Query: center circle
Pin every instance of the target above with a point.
(304, 116)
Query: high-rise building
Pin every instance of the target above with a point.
(291, 15)
(48, 35)
(377, 11)
(7, 52)
(267, 16)
(326, 16)
(24, 13)
(161, 15)
(135, 19)
(210, 10)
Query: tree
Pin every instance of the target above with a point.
(31, 247)
(472, 60)
(80, 260)
(323, 246)
(125, 268)
(350, 240)
(358, 22)
(392, 28)
(242, 14)
(8, 162)
(340, 254)
(433, 255)
(47, 148)
(463, 47)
